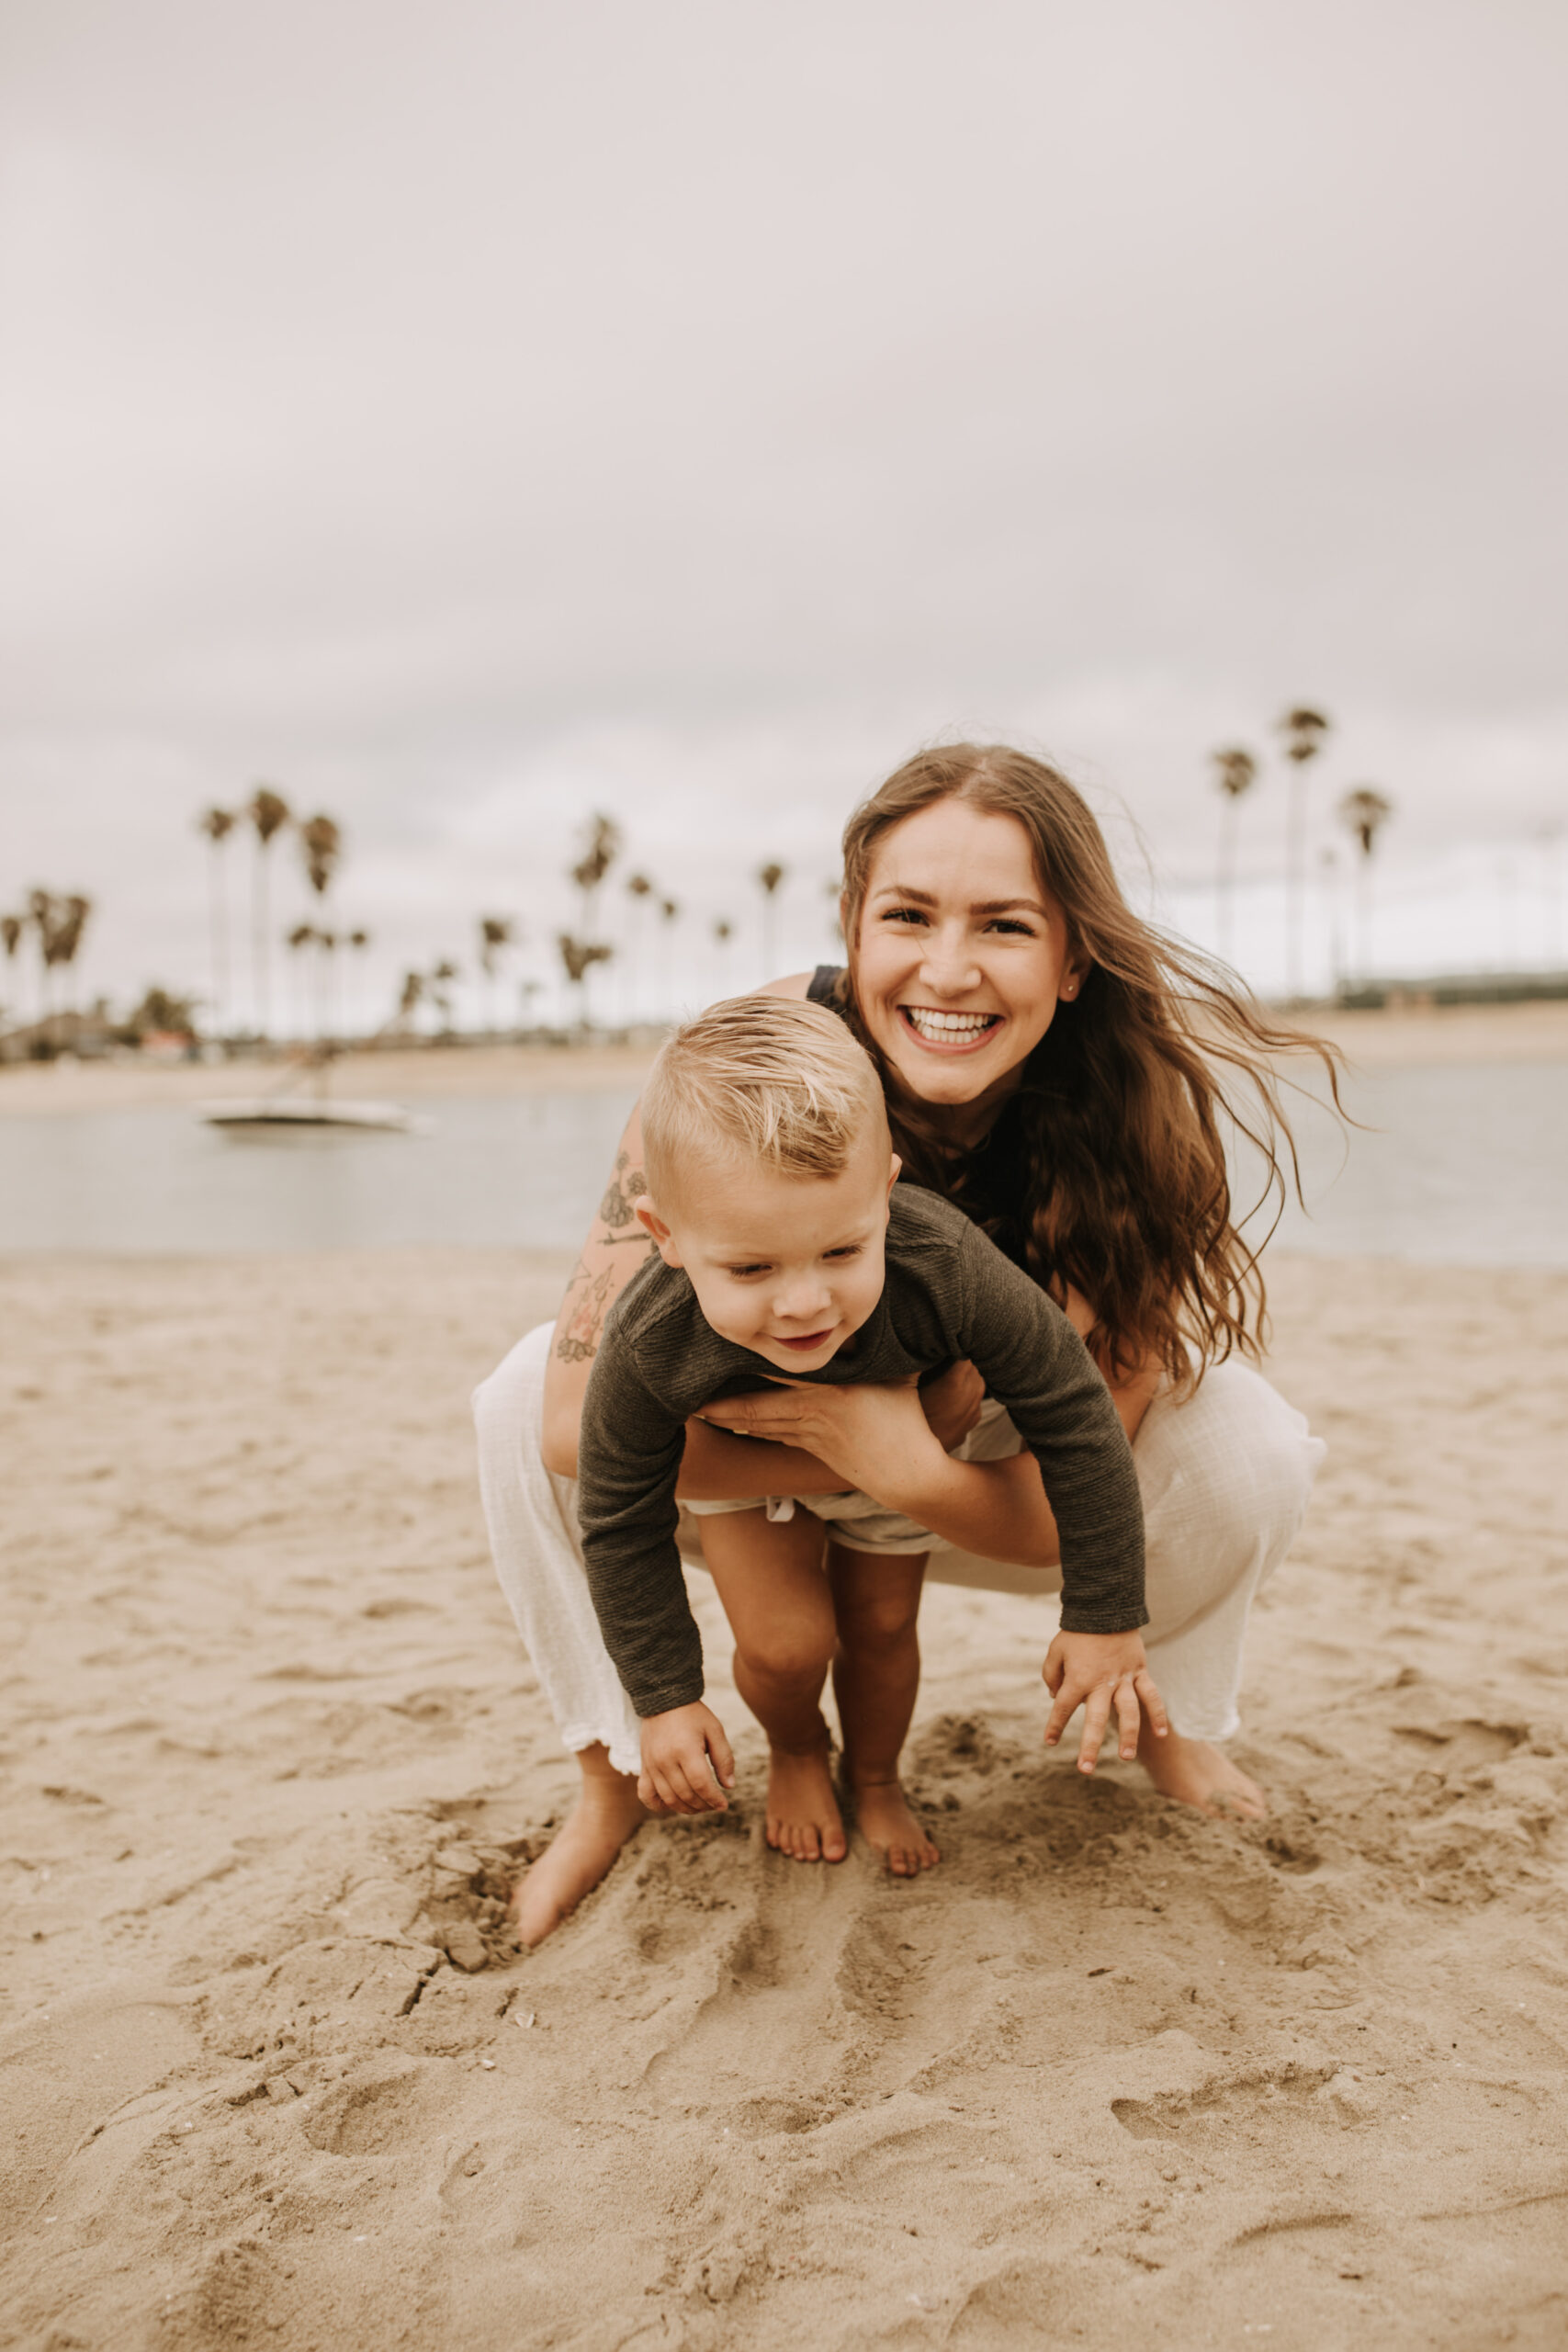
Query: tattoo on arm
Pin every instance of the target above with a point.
(587, 1302)
(615, 1211)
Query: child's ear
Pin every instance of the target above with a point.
(893, 1174)
(653, 1225)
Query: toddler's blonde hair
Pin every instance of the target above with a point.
(765, 1079)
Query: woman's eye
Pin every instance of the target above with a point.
(1011, 923)
(904, 914)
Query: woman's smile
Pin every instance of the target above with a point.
(948, 1033)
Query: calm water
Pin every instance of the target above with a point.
(1463, 1166)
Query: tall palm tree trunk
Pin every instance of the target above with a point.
(1295, 852)
(1224, 879)
(218, 913)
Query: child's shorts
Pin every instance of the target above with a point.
(862, 1525)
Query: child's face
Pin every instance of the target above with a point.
(788, 1266)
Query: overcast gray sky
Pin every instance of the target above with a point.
(467, 415)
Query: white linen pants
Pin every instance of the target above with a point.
(1225, 1474)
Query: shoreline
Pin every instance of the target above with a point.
(1407, 1038)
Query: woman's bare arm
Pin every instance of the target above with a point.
(1133, 1395)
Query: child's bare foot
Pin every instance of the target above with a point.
(603, 1818)
(1195, 1773)
(884, 1819)
(804, 1820)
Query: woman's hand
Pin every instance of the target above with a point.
(874, 1438)
(1099, 1672)
(952, 1403)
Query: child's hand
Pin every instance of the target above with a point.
(1098, 1671)
(685, 1757)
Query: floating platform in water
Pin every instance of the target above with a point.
(279, 1111)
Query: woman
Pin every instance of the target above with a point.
(1049, 1063)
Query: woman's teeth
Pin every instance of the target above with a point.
(946, 1027)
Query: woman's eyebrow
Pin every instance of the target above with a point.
(982, 907)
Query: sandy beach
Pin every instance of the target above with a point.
(272, 2074)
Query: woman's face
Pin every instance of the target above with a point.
(962, 958)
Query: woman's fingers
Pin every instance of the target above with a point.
(743, 1419)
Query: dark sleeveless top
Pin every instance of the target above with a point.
(997, 1187)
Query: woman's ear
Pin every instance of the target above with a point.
(1075, 972)
(653, 1225)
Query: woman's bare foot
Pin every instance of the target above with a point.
(606, 1814)
(1195, 1773)
(884, 1819)
(804, 1820)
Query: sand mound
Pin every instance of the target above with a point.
(273, 2075)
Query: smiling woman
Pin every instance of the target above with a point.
(1053, 1066)
(960, 950)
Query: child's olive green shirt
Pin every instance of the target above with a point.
(948, 1292)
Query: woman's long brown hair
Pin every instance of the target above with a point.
(1127, 1197)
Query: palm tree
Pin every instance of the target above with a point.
(1303, 731)
(639, 890)
(303, 935)
(410, 998)
(69, 924)
(359, 940)
(320, 845)
(603, 847)
(268, 813)
(59, 923)
(769, 876)
(496, 932)
(1364, 813)
(217, 824)
(578, 958)
(1549, 871)
(1237, 773)
(439, 989)
(669, 915)
(40, 918)
(13, 930)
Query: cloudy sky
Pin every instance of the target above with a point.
(468, 417)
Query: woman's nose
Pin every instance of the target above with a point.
(948, 966)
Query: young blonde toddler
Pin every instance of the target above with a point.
(787, 1250)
